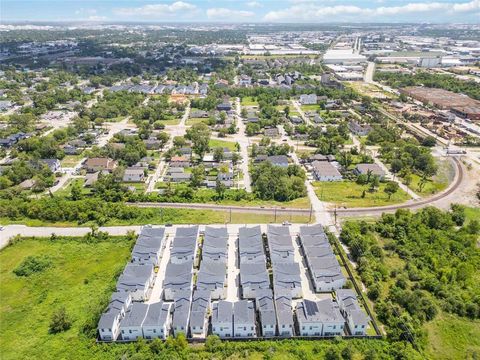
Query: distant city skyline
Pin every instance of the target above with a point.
(229, 11)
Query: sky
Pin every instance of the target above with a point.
(243, 11)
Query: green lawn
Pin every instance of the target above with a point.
(452, 337)
(438, 183)
(431, 186)
(192, 121)
(310, 107)
(81, 279)
(170, 121)
(248, 101)
(222, 143)
(71, 160)
(66, 189)
(349, 194)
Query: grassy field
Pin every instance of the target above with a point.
(192, 121)
(349, 194)
(67, 188)
(438, 183)
(174, 216)
(310, 107)
(71, 160)
(222, 143)
(81, 278)
(248, 101)
(452, 337)
(301, 203)
(472, 213)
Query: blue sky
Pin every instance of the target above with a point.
(310, 11)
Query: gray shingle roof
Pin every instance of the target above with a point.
(222, 312)
(321, 311)
(107, 319)
(134, 276)
(157, 314)
(181, 313)
(212, 275)
(254, 275)
(244, 312)
(136, 315)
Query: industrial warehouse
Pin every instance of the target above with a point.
(250, 282)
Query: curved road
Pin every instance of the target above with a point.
(459, 175)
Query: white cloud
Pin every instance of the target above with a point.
(310, 11)
(254, 4)
(228, 14)
(158, 10)
(96, 18)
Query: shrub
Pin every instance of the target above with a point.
(60, 321)
(32, 265)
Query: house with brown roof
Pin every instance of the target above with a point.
(100, 164)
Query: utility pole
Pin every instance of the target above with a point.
(275, 212)
(230, 215)
(311, 211)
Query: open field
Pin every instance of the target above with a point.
(81, 278)
(472, 213)
(71, 160)
(452, 337)
(192, 121)
(349, 194)
(248, 101)
(174, 216)
(222, 143)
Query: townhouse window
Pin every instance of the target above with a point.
(244, 328)
(303, 327)
(251, 328)
(154, 331)
(334, 326)
(103, 330)
(110, 330)
(283, 326)
(123, 331)
(363, 326)
(310, 328)
(129, 331)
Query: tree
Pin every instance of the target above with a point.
(218, 154)
(252, 129)
(286, 110)
(60, 321)
(396, 166)
(163, 138)
(391, 188)
(429, 141)
(345, 159)
(199, 134)
(236, 158)
(220, 189)
(198, 176)
(76, 191)
(375, 183)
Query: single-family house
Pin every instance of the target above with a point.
(131, 325)
(308, 99)
(253, 277)
(158, 320)
(181, 313)
(325, 171)
(244, 319)
(222, 319)
(133, 174)
(355, 317)
(278, 160)
(212, 277)
(266, 310)
(359, 129)
(373, 169)
(100, 164)
(319, 318)
(178, 277)
(286, 277)
(283, 307)
(136, 279)
(201, 306)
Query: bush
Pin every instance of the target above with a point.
(60, 321)
(32, 265)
